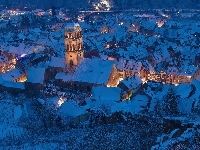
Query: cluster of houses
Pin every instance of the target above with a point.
(86, 61)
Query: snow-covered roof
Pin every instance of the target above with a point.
(138, 53)
(36, 75)
(138, 103)
(24, 49)
(132, 82)
(11, 75)
(172, 33)
(57, 62)
(94, 71)
(38, 10)
(150, 25)
(188, 70)
(71, 26)
(172, 70)
(10, 84)
(64, 77)
(128, 65)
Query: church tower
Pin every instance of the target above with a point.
(73, 46)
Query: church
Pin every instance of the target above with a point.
(84, 73)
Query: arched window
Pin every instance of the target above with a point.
(70, 35)
(70, 47)
(80, 46)
(71, 63)
(79, 34)
(67, 46)
(73, 47)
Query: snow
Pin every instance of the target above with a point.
(41, 101)
(11, 75)
(150, 25)
(135, 105)
(36, 75)
(6, 130)
(106, 94)
(132, 82)
(19, 85)
(183, 90)
(71, 109)
(57, 62)
(128, 65)
(17, 112)
(185, 106)
(71, 26)
(66, 77)
(94, 71)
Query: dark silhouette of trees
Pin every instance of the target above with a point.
(25, 21)
(53, 11)
(170, 106)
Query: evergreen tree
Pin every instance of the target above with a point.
(53, 11)
(170, 103)
(25, 21)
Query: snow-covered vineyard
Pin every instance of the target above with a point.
(112, 80)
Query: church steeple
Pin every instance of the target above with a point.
(73, 46)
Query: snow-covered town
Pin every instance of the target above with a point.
(100, 78)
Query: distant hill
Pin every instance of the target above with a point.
(118, 4)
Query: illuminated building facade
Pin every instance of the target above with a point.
(73, 46)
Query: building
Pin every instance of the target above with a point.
(11, 87)
(7, 61)
(91, 72)
(73, 46)
(15, 75)
(56, 65)
(36, 78)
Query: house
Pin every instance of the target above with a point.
(11, 87)
(64, 80)
(15, 75)
(127, 68)
(148, 28)
(92, 72)
(196, 75)
(105, 29)
(56, 65)
(38, 12)
(134, 27)
(130, 83)
(171, 30)
(36, 78)
(7, 61)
